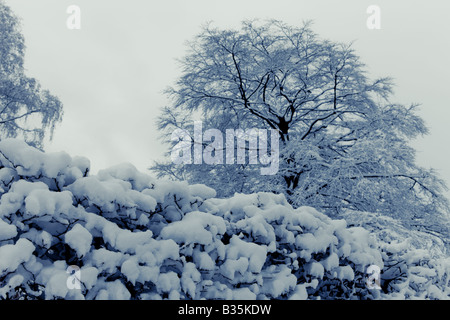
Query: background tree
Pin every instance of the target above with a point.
(343, 143)
(26, 110)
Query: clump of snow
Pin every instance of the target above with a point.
(106, 260)
(195, 227)
(56, 286)
(79, 239)
(300, 293)
(255, 254)
(13, 282)
(7, 231)
(202, 191)
(282, 282)
(114, 290)
(12, 255)
(130, 270)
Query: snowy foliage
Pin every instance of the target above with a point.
(134, 237)
(343, 143)
(26, 109)
(416, 263)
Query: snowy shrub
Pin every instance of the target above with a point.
(415, 263)
(125, 235)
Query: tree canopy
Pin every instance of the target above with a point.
(343, 142)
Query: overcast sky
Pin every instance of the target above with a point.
(111, 73)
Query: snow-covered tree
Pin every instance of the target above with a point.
(26, 110)
(342, 143)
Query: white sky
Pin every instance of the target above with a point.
(111, 73)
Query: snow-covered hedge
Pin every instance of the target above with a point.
(416, 265)
(128, 236)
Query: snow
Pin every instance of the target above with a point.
(57, 285)
(55, 163)
(127, 241)
(14, 282)
(257, 226)
(7, 231)
(12, 255)
(127, 172)
(168, 282)
(202, 191)
(346, 273)
(6, 176)
(89, 277)
(189, 279)
(40, 238)
(32, 162)
(282, 282)
(195, 227)
(300, 293)
(106, 260)
(362, 239)
(316, 269)
(79, 239)
(18, 153)
(130, 270)
(255, 254)
(115, 290)
(229, 268)
(13, 200)
(44, 239)
(148, 274)
(41, 202)
(243, 294)
(203, 260)
(172, 240)
(331, 262)
(156, 252)
(124, 240)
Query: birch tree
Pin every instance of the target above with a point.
(26, 109)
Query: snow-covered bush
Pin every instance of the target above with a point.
(125, 235)
(416, 265)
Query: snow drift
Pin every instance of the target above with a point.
(134, 237)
